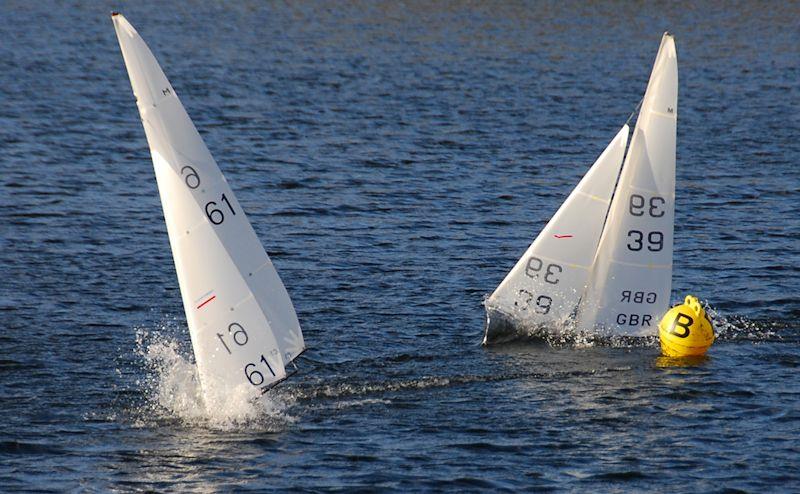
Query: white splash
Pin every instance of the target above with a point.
(172, 389)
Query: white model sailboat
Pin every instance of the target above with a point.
(243, 327)
(604, 261)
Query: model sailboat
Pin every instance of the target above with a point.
(243, 327)
(604, 261)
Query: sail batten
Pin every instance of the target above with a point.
(242, 323)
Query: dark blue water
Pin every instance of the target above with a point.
(395, 159)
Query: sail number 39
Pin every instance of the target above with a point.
(653, 207)
(534, 268)
(549, 272)
(637, 206)
(636, 241)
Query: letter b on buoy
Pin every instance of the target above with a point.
(682, 321)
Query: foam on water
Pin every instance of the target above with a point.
(172, 389)
(739, 328)
(569, 334)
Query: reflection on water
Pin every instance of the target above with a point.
(665, 362)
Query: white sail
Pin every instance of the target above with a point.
(632, 276)
(243, 326)
(545, 286)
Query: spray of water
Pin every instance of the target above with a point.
(172, 389)
(739, 328)
(511, 328)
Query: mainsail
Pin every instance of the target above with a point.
(546, 284)
(243, 327)
(630, 285)
(615, 269)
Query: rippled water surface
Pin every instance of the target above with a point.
(395, 159)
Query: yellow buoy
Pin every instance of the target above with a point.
(685, 330)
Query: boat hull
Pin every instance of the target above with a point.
(501, 328)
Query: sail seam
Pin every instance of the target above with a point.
(639, 265)
(592, 196)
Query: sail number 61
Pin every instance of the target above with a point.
(255, 376)
(237, 332)
(216, 216)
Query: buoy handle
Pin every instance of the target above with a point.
(694, 304)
